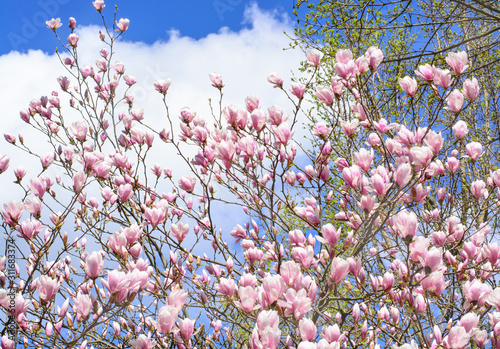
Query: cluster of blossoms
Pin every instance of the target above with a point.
(363, 249)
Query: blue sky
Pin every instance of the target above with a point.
(23, 21)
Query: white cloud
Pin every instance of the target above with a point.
(244, 59)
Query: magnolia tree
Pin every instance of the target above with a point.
(330, 251)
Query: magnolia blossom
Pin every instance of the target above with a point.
(54, 23)
(4, 163)
(123, 24)
(216, 80)
(314, 57)
(82, 305)
(455, 100)
(457, 61)
(471, 89)
(409, 85)
(460, 129)
(162, 85)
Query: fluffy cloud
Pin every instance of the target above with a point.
(244, 59)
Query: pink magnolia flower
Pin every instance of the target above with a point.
(20, 172)
(471, 89)
(47, 160)
(421, 156)
(405, 224)
(349, 127)
(425, 72)
(375, 56)
(143, 342)
(283, 133)
(47, 288)
(248, 297)
(346, 70)
(478, 188)
(290, 272)
(177, 298)
(460, 129)
(442, 77)
(434, 140)
(494, 298)
(403, 174)
(73, 39)
(362, 64)
(72, 22)
(476, 291)
(325, 94)
(33, 206)
(99, 5)
(166, 319)
(276, 116)
(258, 119)
(125, 192)
(339, 270)
(374, 139)
(457, 338)
(307, 329)
(273, 288)
(94, 264)
(117, 242)
(382, 126)
(79, 130)
(7, 343)
(364, 158)
(297, 303)
(469, 322)
(162, 85)
(117, 283)
(379, 184)
(216, 80)
(226, 287)
(187, 183)
(275, 79)
(434, 282)
(63, 82)
(337, 85)
(409, 85)
(30, 229)
(10, 138)
(367, 203)
(54, 23)
(492, 252)
(82, 305)
(314, 57)
(304, 256)
(4, 163)
(343, 56)
(179, 231)
(297, 89)
(123, 24)
(455, 101)
(129, 80)
(321, 130)
(457, 61)
(186, 327)
(474, 150)
(12, 212)
(79, 180)
(330, 234)
(352, 176)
